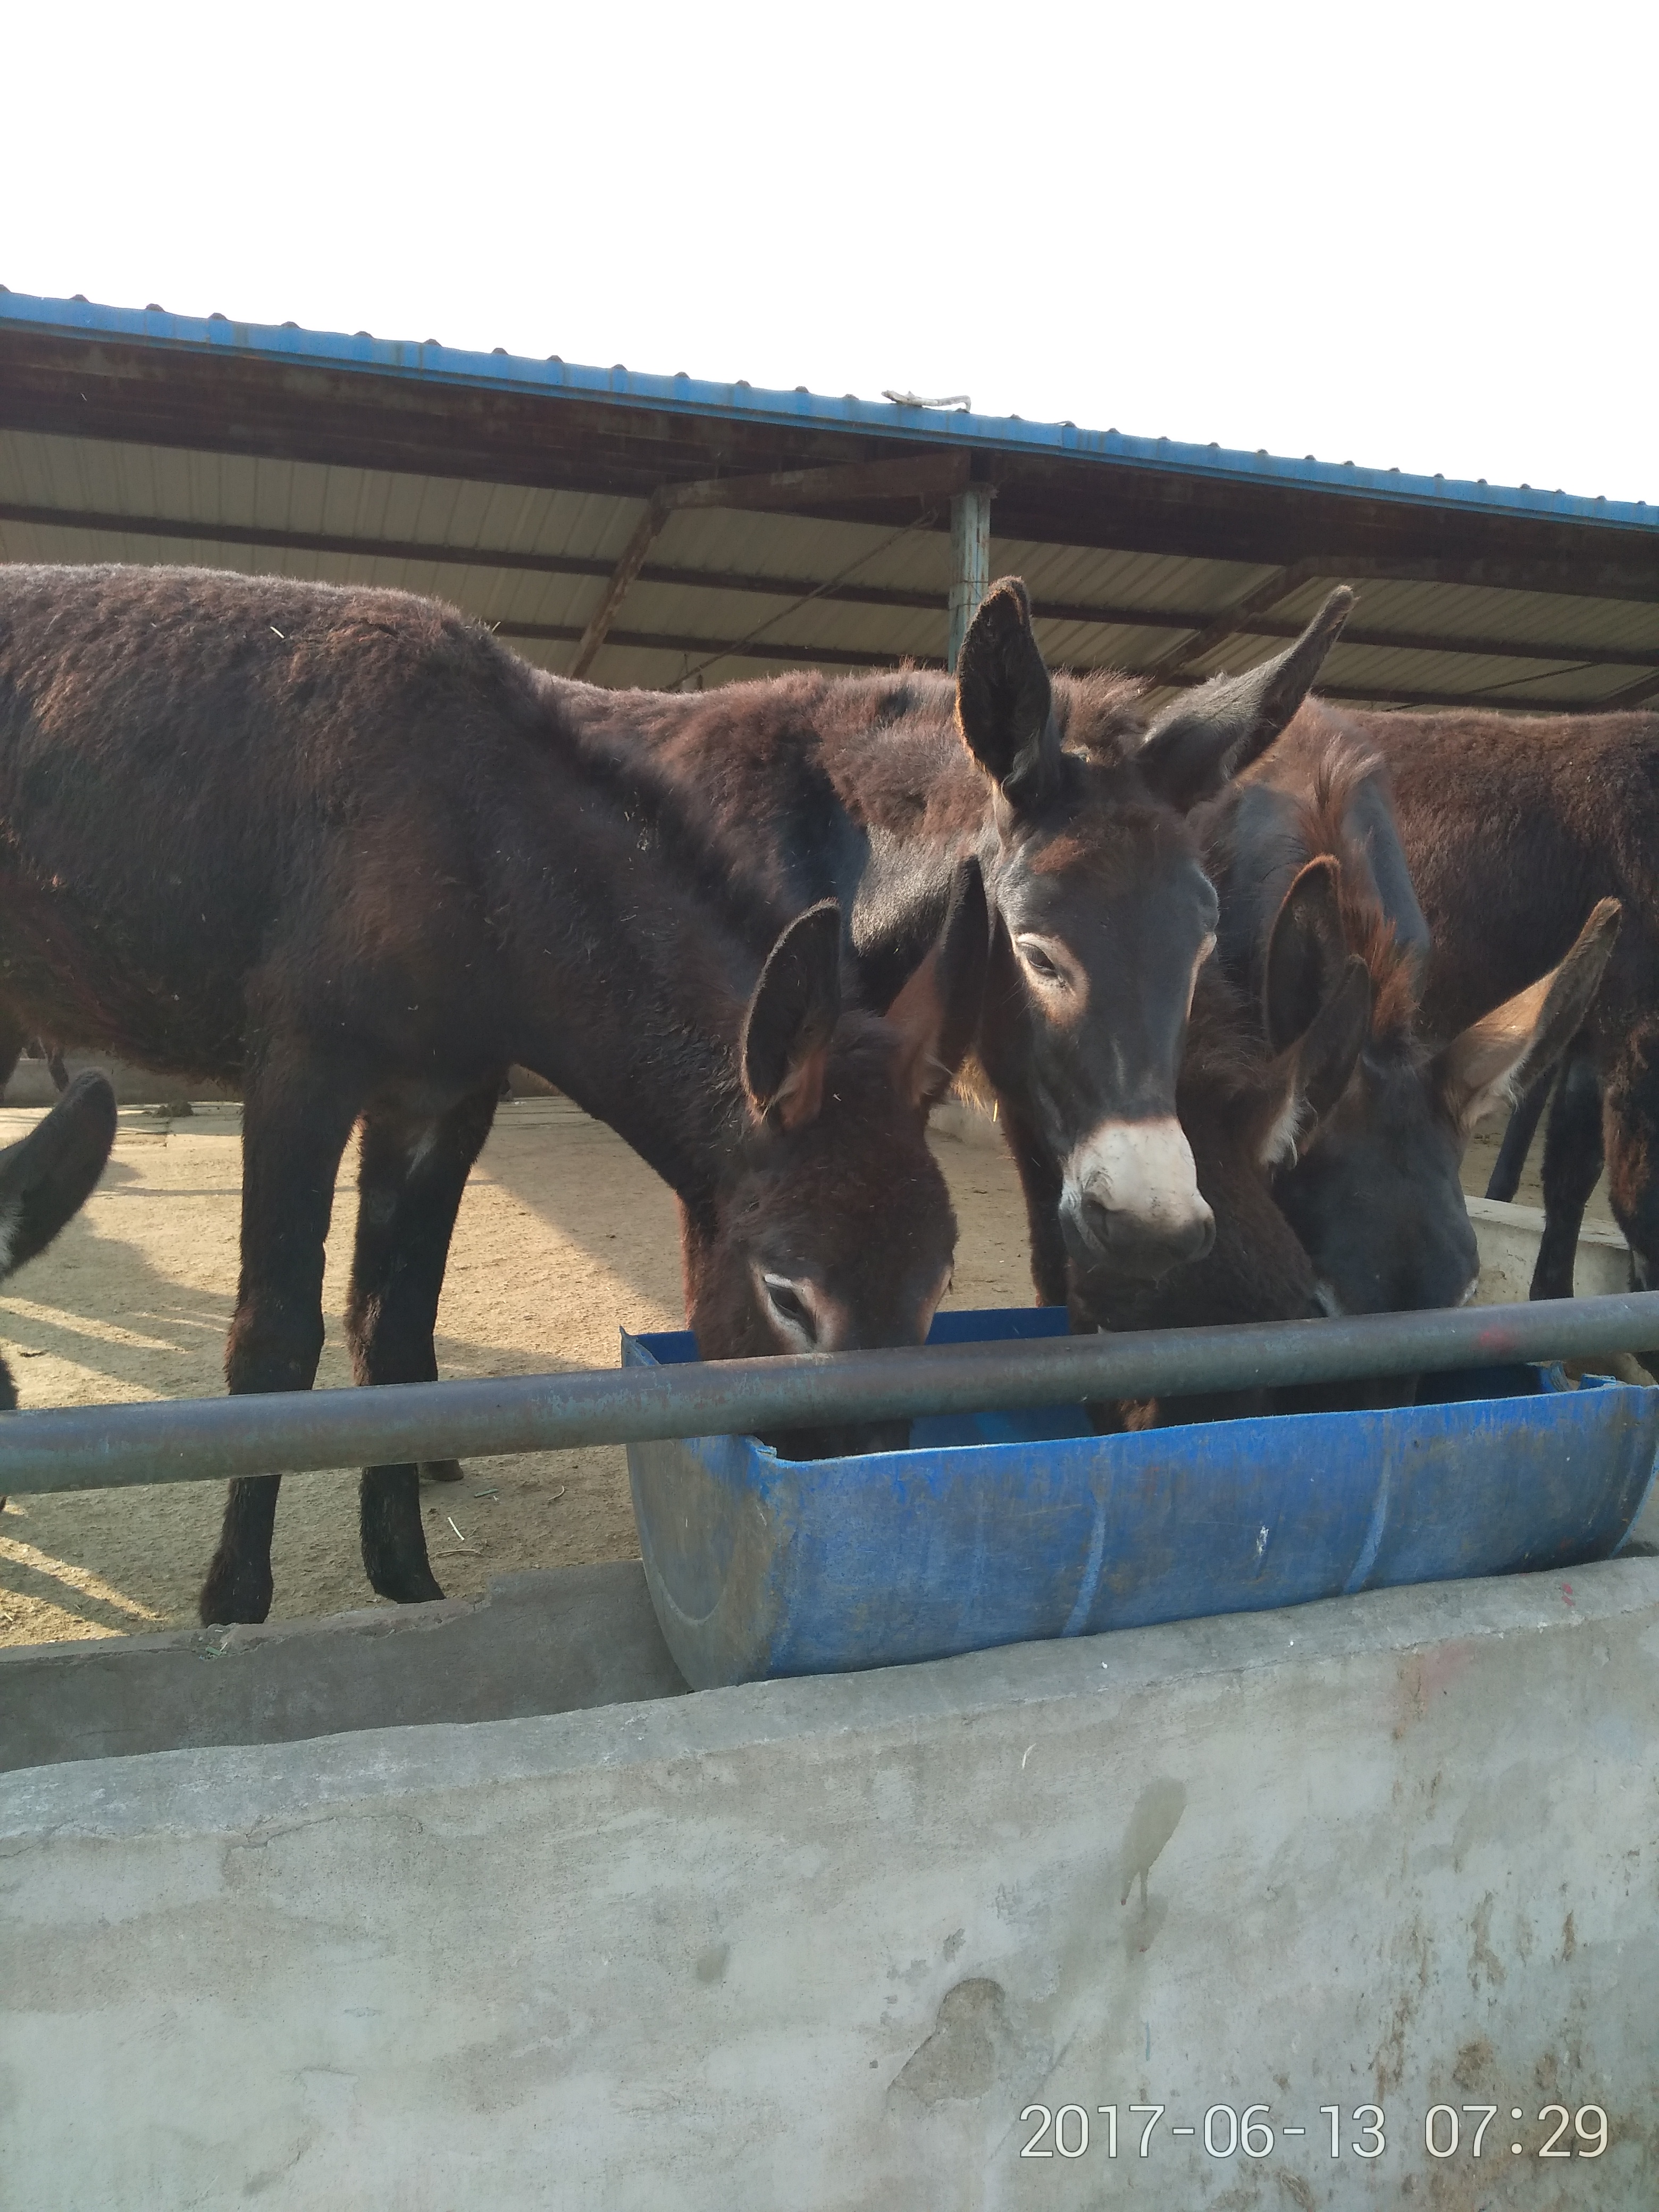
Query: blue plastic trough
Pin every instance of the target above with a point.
(999, 1528)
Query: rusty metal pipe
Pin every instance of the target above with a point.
(206, 1439)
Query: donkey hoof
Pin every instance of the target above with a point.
(234, 1591)
(443, 1470)
(406, 1585)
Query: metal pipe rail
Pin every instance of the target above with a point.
(206, 1439)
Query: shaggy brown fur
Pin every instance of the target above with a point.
(1515, 825)
(1377, 1199)
(1239, 1106)
(1322, 825)
(343, 848)
(868, 789)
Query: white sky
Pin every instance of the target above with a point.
(1422, 235)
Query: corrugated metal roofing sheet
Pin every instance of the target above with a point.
(534, 560)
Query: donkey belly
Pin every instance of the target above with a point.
(131, 989)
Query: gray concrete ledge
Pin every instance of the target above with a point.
(817, 1944)
(545, 1642)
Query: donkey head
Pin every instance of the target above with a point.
(1246, 1108)
(45, 1179)
(1375, 1194)
(1104, 914)
(831, 1230)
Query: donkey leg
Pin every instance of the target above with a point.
(1517, 1138)
(1632, 1133)
(1572, 1166)
(409, 1182)
(12, 1037)
(297, 1114)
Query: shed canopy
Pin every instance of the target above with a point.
(657, 531)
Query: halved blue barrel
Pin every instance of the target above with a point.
(1001, 1528)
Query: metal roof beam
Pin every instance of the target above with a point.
(709, 649)
(1562, 652)
(1176, 665)
(935, 475)
(1634, 695)
(647, 531)
(926, 476)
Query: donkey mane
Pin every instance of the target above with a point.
(1100, 714)
(1344, 765)
(687, 845)
(1226, 1057)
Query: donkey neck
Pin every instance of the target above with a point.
(634, 951)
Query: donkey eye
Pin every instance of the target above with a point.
(788, 1304)
(1040, 963)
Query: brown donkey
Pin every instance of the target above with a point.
(1375, 1193)
(1248, 1107)
(1513, 824)
(342, 848)
(871, 789)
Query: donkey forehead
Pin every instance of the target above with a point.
(898, 1232)
(1096, 819)
(1072, 879)
(863, 1164)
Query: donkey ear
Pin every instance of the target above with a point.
(1205, 739)
(791, 1018)
(46, 1178)
(1314, 1073)
(1494, 1059)
(1004, 701)
(937, 1013)
(1305, 954)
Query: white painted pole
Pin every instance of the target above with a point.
(971, 562)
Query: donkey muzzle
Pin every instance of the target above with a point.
(1131, 1203)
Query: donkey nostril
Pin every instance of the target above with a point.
(1096, 1213)
(1140, 1243)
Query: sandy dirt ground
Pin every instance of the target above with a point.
(564, 1238)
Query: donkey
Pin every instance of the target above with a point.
(871, 789)
(1513, 824)
(1247, 1108)
(1376, 1194)
(342, 849)
(1256, 1082)
(47, 1177)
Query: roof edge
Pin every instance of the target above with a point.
(503, 372)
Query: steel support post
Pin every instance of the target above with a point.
(971, 562)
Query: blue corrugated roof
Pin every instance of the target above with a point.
(504, 372)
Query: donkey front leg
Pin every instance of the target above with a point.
(1572, 1167)
(410, 1180)
(1631, 1084)
(1511, 1162)
(297, 1113)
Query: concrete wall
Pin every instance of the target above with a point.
(817, 1944)
(1508, 1237)
(554, 1642)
